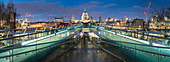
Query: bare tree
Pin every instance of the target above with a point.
(167, 13)
(8, 13)
(158, 14)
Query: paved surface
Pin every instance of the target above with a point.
(86, 52)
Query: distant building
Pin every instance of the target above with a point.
(129, 23)
(162, 25)
(72, 20)
(59, 19)
(91, 18)
(84, 18)
(100, 19)
(152, 24)
(106, 20)
(111, 20)
(157, 24)
(138, 22)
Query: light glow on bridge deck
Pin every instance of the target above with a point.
(29, 41)
(143, 41)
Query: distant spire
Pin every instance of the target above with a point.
(85, 10)
(72, 18)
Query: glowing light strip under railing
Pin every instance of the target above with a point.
(29, 41)
(143, 41)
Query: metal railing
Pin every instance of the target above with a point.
(34, 48)
(146, 37)
(162, 53)
(29, 36)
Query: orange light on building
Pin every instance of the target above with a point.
(37, 25)
(133, 34)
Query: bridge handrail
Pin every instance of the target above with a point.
(13, 33)
(143, 28)
(147, 34)
(5, 34)
(127, 42)
(29, 46)
(140, 31)
(142, 34)
(30, 28)
(105, 40)
(22, 32)
(30, 34)
(27, 28)
(63, 41)
(25, 35)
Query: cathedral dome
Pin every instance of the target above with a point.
(85, 15)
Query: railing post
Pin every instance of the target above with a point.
(25, 31)
(162, 33)
(36, 30)
(7, 34)
(136, 35)
(127, 29)
(44, 28)
(50, 28)
(22, 29)
(147, 33)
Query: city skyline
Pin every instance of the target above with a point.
(84, 30)
(47, 9)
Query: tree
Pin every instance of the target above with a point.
(167, 13)
(8, 13)
(2, 10)
(160, 14)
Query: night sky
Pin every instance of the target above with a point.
(47, 9)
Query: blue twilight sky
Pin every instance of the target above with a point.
(47, 9)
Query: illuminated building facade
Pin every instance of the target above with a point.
(85, 15)
(84, 18)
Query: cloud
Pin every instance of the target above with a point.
(95, 2)
(36, 7)
(113, 4)
(135, 13)
(140, 7)
(45, 9)
(95, 14)
(88, 5)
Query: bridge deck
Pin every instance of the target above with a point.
(85, 51)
